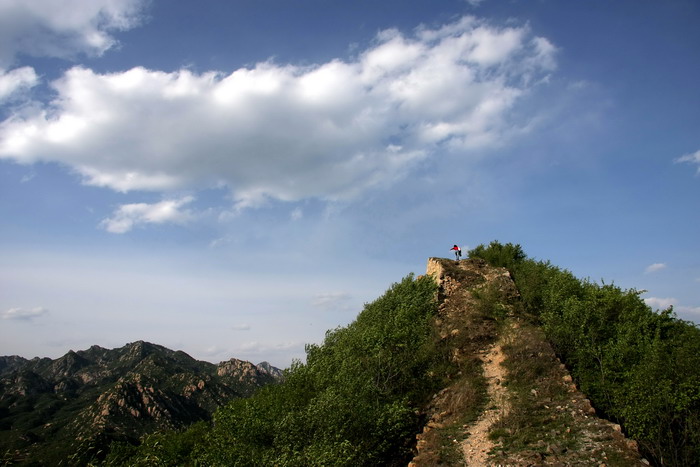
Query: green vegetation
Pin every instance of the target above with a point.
(502, 256)
(640, 368)
(354, 402)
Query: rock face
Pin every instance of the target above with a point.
(10, 364)
(50, 409)
(265, 367)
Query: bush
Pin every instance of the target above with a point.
(496, 254)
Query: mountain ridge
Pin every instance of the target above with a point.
(88, 398)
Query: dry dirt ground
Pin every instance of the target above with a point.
(478, 445)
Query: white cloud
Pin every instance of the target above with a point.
(16, 80)
(684, 312)
(329, 131)
(47, 28)
(28, 177)
(241, 327)
(660, 303)
(693, 158)
(221, 241)
(296, 214)
(24, 313)
(258, 347)
(255, 351)
(655, 268)
(331, 301)
(691, 313)
(128, 216)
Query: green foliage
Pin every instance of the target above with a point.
(159, 449)
(499, 255)
(661, 398)
(491, 303)
(354, 402)
(638, 367)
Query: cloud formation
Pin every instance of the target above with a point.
(658, 303)
(19, 79)
(285, 132)
(24, 314)
(684, 312)
(689, 312)
(693, 158)
(656, 267)
(47, 28)
(331, 301)
(128, 216)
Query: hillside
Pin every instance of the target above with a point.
(78, 404)
(514, 403)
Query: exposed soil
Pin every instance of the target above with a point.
(477, 446)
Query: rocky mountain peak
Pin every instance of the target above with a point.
(265, 367)
(48, 408)
(67, 365)
(11, 363)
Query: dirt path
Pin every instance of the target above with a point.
(477, 446)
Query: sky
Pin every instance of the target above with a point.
(234, 178)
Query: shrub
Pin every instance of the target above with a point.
(499, 255)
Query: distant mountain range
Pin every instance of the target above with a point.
(82, 401)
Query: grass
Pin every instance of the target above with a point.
(538, 420)
(467, 403)
(461, 403)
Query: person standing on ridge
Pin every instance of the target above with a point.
(458, 251)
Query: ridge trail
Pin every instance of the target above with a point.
(508, 383)
(477, 446)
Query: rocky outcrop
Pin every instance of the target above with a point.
(11, 363)
(266, 368)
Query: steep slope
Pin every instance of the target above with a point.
(79, 403)
(513, 402)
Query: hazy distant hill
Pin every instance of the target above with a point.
(50, 409)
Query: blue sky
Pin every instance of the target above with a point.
(234, 178)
